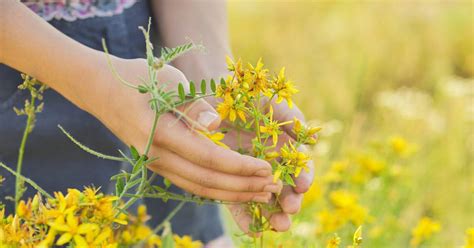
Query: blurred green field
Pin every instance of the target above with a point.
(392, 85)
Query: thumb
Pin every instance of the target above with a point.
(200, 114)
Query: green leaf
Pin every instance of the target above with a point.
(119, 186)
(289, 180)
(213, 85)
(222, 82)
(192, 89)
(181, 93)
(167, 183)
(169, 54)
(203, 87)
(133, 183)
(134, 153)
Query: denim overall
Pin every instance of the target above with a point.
(53, 161)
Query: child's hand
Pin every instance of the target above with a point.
(187, 159)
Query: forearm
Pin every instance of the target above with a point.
(31, 45)
(202, 21)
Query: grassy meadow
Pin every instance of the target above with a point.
(392, 85)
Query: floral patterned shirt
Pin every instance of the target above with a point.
(71, 10)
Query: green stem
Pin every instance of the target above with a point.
(21, 152)
(169, 217)
(152, 133)
(27, 180)
(144, 176)
(163, 223)
(87, 149)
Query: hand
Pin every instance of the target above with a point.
(290, 198)
(186, 158)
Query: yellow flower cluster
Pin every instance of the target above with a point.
(469, 238)
(425, 228)
(247, 84)
(247, 98)
(344, 208)
(360, 171)
(77, 219)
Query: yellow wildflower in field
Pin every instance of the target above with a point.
(186, 242)
(469, 243)
(314, 193)
(329, 221)
(401, 146)
(336, 171)
(333, 242)
(425, 228)
(370, 163)
(343, 198)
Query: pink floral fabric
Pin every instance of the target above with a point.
(72, 10)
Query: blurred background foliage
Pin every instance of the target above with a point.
(392, 85)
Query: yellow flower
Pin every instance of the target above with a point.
(330, 221)
(24, 210)
(255, 79)
(469, 238)
(215, 137)
(271, 155)
(401, 147)
(229, 108)
(235, 67)
(72, 230)
(272, 127)
(283, 88)
(370, 164)
(333, 242)
(98, 237)
(186, 242)
(294, 159)
(305, 135)
(423, 231)
(342, 198)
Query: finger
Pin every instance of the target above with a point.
(205, 177)
(242, 218)
(199, 150)
(216, 194)
(199, 114)
(281, 222)
(290, 201)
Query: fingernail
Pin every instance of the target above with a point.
(261, 199)
(206, 118)
(272, 188)
(263, 173)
